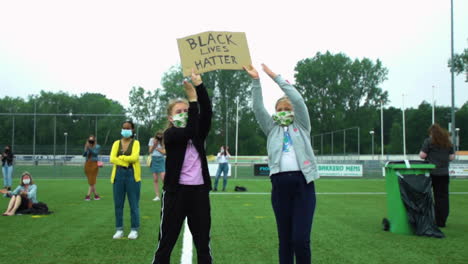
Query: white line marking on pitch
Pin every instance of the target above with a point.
(319, 193)
(186, 257)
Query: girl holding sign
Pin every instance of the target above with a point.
(187, 181)
(293, 167)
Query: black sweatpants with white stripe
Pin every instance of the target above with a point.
(193, 203)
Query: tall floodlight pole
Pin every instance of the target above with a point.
(381, 130)
(65, 156)
(321, 144)
(332, 143)
(55, 136)
(452, 75)
(404, 128)
(344, 142)
(237, 132)
(359, 142)
(34, 131)
(226, 102)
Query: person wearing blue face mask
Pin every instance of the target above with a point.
(126, 179)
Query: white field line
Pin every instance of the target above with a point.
(187, 250)
(319, 193)
(186, 257)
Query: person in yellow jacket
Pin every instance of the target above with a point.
(126, 179)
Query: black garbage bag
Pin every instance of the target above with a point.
(417, 196)
(240, 189)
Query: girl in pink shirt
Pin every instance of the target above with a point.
(187, 181)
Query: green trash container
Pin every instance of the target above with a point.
(396, 209)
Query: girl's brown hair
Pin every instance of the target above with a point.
(161, 133)
(94, 137)
(171, 105)
(439, 136)
(24, 175)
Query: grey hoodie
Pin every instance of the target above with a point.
(299, 130)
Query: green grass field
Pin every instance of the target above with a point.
(346, 229)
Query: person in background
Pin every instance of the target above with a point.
(293, 166)
(223, 166)
(126, 179)
(91, 152)
(23, 196)
(158, 168)
(7, 167)
(438, 149)
(187, 182)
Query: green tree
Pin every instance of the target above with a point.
(75, 117)
(396, 138)
(223, 88)
(145, 108)
(460, 63)
(341, 93)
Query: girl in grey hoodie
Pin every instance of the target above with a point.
(293, 167)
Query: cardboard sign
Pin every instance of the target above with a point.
(213, 50)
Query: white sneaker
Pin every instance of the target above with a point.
(118, 234)
(156, 198)
(133, 234)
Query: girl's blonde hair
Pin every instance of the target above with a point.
(171, 105)
(284, 98)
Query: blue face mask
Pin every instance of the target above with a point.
(126, 133)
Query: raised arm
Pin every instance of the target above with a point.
(301, 114)
(206, 111)
(261, 114)
(174, 134)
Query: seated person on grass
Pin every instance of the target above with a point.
(22, 197)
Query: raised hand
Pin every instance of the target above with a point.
(190, 92)
(268, 71)
(251, 71)
(196, 78)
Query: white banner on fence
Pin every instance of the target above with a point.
(458, 170)
(342, 170)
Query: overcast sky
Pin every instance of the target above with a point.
(110, 46)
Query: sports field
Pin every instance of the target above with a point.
(346, 229)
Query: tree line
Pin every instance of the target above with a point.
(340, 93)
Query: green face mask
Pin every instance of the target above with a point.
(284, 118)
(180, 120)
